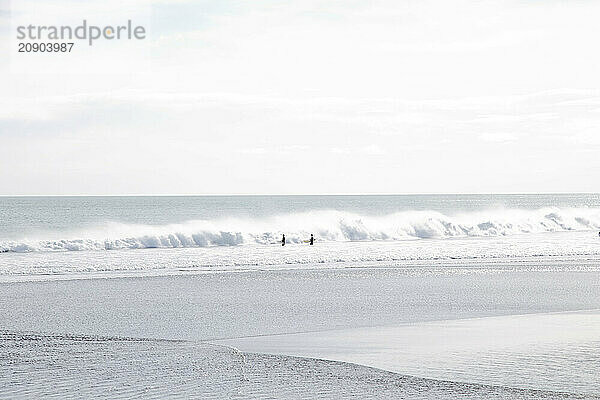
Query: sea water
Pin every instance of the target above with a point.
(45, 236)
(246, 227)
(383, 270)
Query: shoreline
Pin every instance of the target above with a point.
(216, 371)
(471, 350)
(365, 308)
(498, 264)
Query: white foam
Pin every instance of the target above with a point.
(327, 226)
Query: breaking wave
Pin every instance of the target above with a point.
(325, 225)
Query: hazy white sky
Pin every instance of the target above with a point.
(305, 96)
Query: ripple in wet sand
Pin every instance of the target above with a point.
(72, 367)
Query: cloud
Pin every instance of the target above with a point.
(369, 150)
(253, 150)
(239, 96)
(498, 137)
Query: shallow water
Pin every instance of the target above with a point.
(371, 300)
(582, 249)
(551, 351)
(209, 306)
(73, 367)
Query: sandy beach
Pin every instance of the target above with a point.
(368, 332)
(294, 200)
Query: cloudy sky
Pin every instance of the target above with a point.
(306, 96)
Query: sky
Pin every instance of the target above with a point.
(304, 97)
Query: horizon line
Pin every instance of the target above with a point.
(295, 194)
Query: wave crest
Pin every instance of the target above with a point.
(325, 225)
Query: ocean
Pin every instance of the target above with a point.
(416, 296)
(31, 216)
(99, 234)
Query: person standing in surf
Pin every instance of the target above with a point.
(283, 240)
(312, 239)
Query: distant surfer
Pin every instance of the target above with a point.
(283, 240)
(312, 239)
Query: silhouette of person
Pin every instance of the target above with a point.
(283, 240)
(312, 239)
